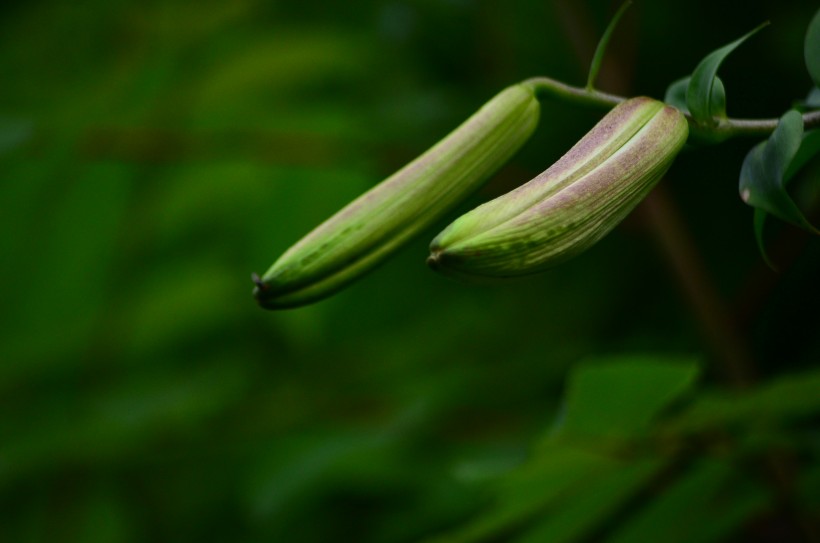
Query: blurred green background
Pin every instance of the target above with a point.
(154, 154)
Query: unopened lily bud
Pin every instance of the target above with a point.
(573, 204)
(369, 229)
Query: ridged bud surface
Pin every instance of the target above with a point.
(370, 228)
(571, 205)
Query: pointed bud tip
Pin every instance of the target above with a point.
(258, 282)
(261, 290)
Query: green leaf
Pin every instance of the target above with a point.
(618, 397)
(811, 48)
(598, 57)
(578, 515)
(699, 93)
(763, 175)
(786, 398)
(542, 482)
(813, 99)
(759, 225)
(809, 148)
(707, 504)
(676, 96)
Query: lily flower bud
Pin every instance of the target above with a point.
(369, 229)
(571, 205)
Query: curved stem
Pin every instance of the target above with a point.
(720, 130)
(546, 87)
(758, 127)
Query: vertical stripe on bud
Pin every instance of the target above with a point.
(370, 228)
(572, 204)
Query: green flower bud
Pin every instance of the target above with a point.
(369, 229)
(573, 204)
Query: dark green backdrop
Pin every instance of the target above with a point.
(154, 154)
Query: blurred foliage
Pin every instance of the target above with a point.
(153, 154)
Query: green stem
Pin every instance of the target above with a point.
(550, 88)
(756, 127)
(720, 130)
